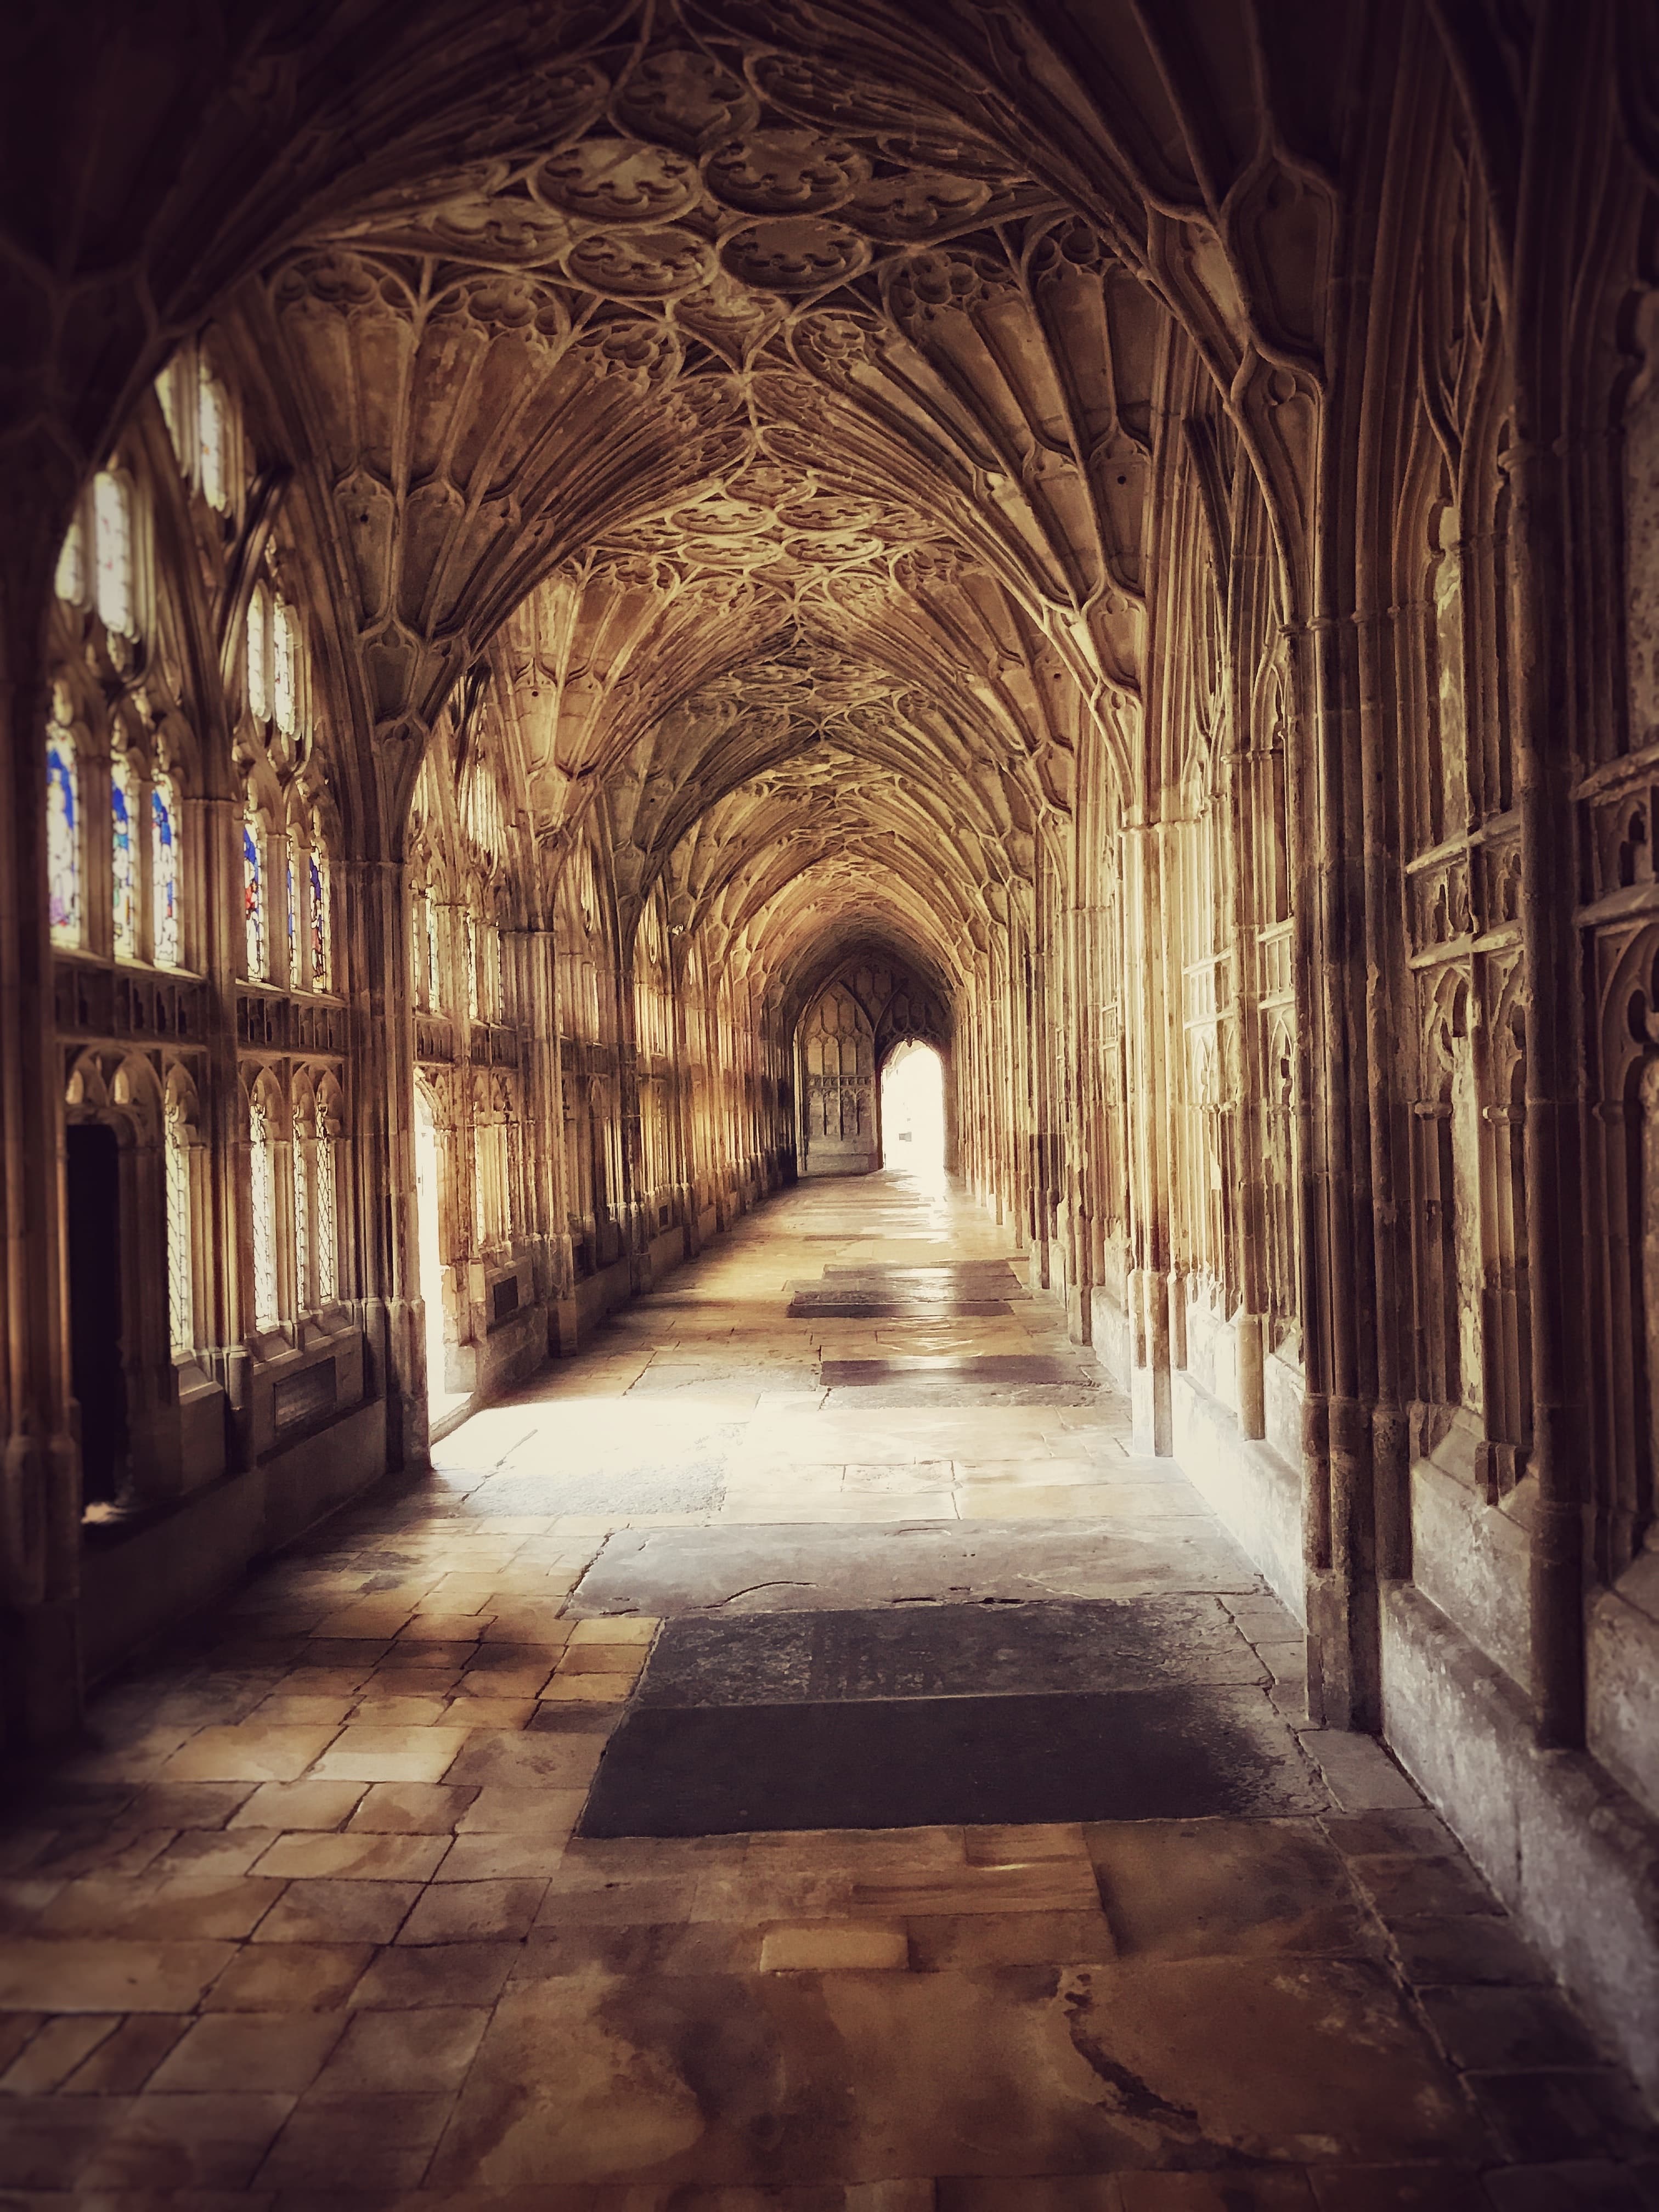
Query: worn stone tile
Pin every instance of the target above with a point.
(177, 1805)
(179, 1906)
(426, 2048)
(1399, 2189)
(409, 1809)
(230, 2051)
(298, 1805)
(473, 1912)
(107, 1974)
(1088, 2070)
(53, 2054)
(46, 2143)
(1477, 1948)
(1548, 2115)
(288, 1976)
(1414, 1889)
(378, 2142)
(123, 2062)
(1578, 2185)
(354, 1857)
(339, 1912)
(438, 1974)
(197, 2142)
(835, 1946)
(1494, 2028)
(526, 1762)
(1238, 2188)
(523, 1856)
(1225, 1888)
(361, 1753)
(251, 1750)
(946, 1941)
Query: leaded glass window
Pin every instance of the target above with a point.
(253, 896)
(284, 671)
(112, 528)
(302, 1195)
(213, 438)
(434, 968)
(262, 1179)
(317, 870)
(123, 856)
(295, 972)
(328, 1219)
(181, 1306)
(259, 655)
(70, 581)
(164, 872)
(63, 834)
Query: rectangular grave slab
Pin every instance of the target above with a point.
(1172, 1754)
(946, 1651)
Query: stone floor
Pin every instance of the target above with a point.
(838, 1527)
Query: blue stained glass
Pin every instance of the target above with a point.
(123, 871)
(164, 872)
(254, 905)
(292, 923)
(63, 839)
(318, 923)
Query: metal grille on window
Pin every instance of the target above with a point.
(304, 1293)
(327, 1247)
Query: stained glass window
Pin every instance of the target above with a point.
(259, 655)
(213, 438)
(263, 1194)
(317, 868)
(181, 1307)
(284, 676)
(123, 858)
(327, 1287)
(164, 870)
(295, 972)
(302, 1155)
(63, 834)
(253, 896)
(434, 998)
(70, 581)
(112, 524)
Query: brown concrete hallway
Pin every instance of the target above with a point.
(790, 1755)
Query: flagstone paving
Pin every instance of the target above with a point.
(331, 1910)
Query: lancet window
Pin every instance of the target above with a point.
(254, 918)
(64, 827)
(263, 1135)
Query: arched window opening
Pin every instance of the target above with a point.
(69, 580)
(181, 1286)
(112, 524)
(285, 668)
(164, 872)
(213, 439)
(320, 960)
(253, 896)
(325, 1199)
(124, 853)
(429, 1235)
(262, 1199)
(297, 966)
(913, 1110)
(258, 654)
(62, 831)
(471, 968)
(303, 1149)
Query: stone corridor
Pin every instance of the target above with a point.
(323, 1913)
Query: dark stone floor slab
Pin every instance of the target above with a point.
(807, 1306)
(946, 1651)
(1174, 1755)
(1026, 1369)
(795, 1568)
